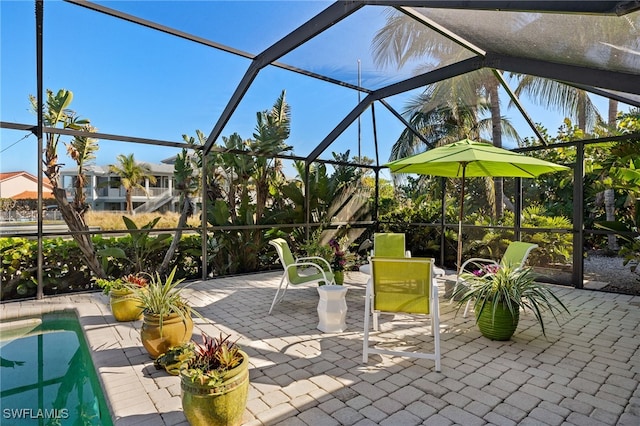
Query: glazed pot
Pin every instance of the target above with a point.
(220, 405)
(174, 332)
(125, 306)
(500, 327)
(338, 276)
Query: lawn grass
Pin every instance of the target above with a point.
(110, 221)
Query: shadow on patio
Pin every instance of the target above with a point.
(585, 371)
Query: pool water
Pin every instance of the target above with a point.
(46, 374)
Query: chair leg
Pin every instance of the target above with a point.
(466, 309)
(376, 315)
(275, 298)
(435, 329)
(367, 312)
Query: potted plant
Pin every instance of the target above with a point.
(499, 293)
(215, 383)
(123, 300)
(338, 261)
(167, 318)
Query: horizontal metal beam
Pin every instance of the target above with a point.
(439, 74)
(612, 80)
(610, 7)
(158, 27)
(119, 138)
(609, 94)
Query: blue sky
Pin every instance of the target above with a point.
(134, 81)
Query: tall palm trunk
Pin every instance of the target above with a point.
(496, 130)
(182, 222)
(609, 194)
(76, 223)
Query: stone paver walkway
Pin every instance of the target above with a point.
(586, 372)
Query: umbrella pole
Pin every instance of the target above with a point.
(464, 168)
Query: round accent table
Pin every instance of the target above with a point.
(332, 308)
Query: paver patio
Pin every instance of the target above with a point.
(587, 370)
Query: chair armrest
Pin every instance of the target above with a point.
(476, 260)
(308, 264)
(321, 259)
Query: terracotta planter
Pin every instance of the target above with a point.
(500, 327)
(125, 306)
(222, 405)
(338, 276)
(175, 331)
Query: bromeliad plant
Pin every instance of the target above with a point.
(215, 383)
(509, 289)
(213, 358)
(128, 282)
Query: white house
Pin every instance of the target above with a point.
(104, 192)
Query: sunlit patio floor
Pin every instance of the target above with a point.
(585, 372)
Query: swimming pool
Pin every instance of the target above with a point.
(46, 374)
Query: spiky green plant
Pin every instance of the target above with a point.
(514, 288)
(163, 298)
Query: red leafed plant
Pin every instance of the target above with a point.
(213, 357)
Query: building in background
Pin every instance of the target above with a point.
(104, 191)
(23, 186)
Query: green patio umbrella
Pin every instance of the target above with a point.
(467, 158)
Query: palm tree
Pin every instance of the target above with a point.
(573, 102)
(272, 129)
(401, 40)
(186, 181)
(57, 112)
(82, 150)
(132, 175)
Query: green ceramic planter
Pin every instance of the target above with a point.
(500, 327)
(338, 276)
(222, 405)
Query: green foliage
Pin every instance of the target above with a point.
(630, 235)
(176, 358)
(143, 244)
(514, 288)
(124, 283)
(315, 247)
(64, 270)
(553, 247)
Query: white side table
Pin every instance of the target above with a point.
(332, 308)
